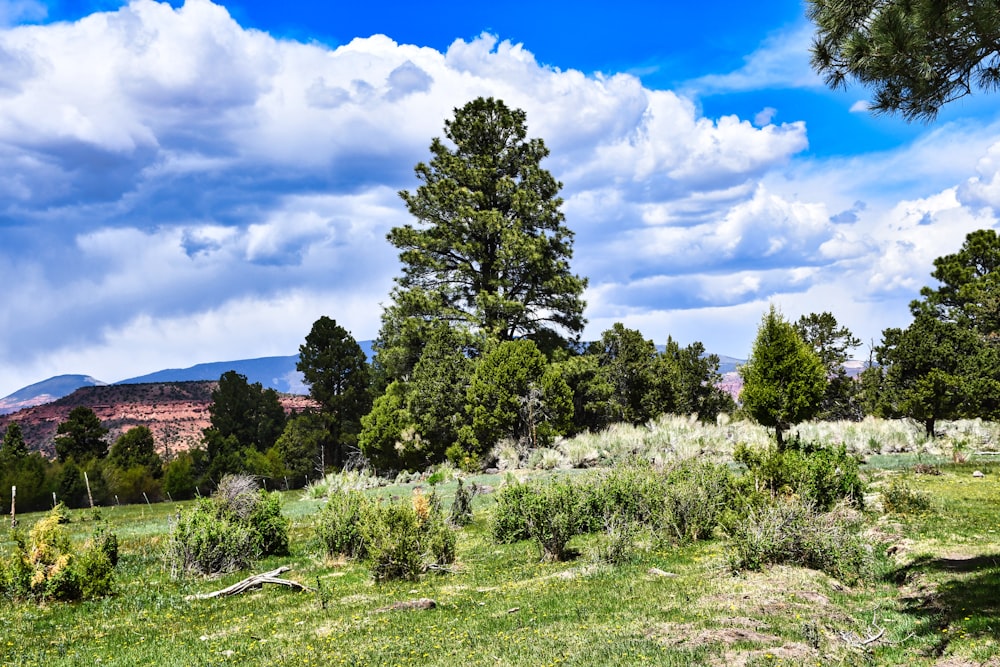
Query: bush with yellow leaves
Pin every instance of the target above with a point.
(44, 565)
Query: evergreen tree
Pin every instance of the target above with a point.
(832, 344)
(489, 252)
(694, 375)
(436, 393)
(335, 368)
(81, 436)
(626, 365)
(783, 380)
(916, 55)
(13, 450)
(937, 369)
(136, 448)
(243, 416)
(515, 394)
(969, 289)
(301, 444)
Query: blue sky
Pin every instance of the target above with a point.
(185, 183)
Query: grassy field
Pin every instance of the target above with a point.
(939, 604)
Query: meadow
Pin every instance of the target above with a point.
(937, 602)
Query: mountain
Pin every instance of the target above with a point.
(46, 391)
(276, 373)
(176, 412)
(271, 372)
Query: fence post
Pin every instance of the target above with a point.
(87, 482)
(13, 502)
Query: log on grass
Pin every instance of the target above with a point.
(251, 583)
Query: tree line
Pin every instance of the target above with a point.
(480, 345)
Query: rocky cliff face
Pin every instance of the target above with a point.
(175, 412)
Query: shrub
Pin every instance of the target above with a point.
(339, 527)
(900, 498)
(822, 474)
(697, 494)
(267, 521)
(791, 532)
(618, 544)
(461, 506)
(557, 514)
(509, 523)
(229, 531)
(550, 513)
(391, 533)
(45, 566)
(404, 539)
(202, 542)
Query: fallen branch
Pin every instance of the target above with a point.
(251, 583)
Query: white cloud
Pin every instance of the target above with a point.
(196, 191)
(861, 106)
(781, 61)
(765, 116)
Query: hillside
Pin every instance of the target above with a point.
(278, 373)
(45, 392)
(176, 413)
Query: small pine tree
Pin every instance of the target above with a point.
(783, 380)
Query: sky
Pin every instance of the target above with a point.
(191, 182)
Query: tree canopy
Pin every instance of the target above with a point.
(915, 55)
(81, 436)
(783, 380)
(336, 370)
(946, 363)
(13, 449)
(969, 290)
(489, 251)
(935, 369)
(832, 344)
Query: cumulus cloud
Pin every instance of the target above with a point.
(179, 189)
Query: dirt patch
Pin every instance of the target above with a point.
(687, 636)
(953, 661)
(792, 652)
(779, 591)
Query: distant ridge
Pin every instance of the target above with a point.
(276, 373)
(46, 391)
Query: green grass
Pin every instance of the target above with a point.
(502, 606)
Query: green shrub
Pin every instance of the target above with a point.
(696, 496)
(229, 531)
(634, 492)
(550, 513)
(461, 506)
(203, 542)
(95, 572)
(402, 539)
(509, 522)
(900, 498)
(791, 532)
(391, 532)
(339, 526)
(823, 475)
